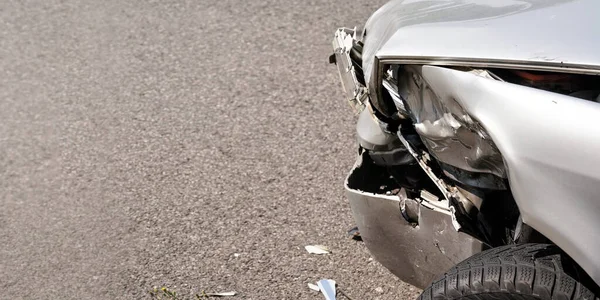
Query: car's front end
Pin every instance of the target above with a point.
(472, 123)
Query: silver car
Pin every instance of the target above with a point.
(478, 173)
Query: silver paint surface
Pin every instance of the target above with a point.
(550, 145)
(549, 32)
(447, 130)
(371, 136)
(415, 253)
(549, 142)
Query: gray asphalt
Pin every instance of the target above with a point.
(186, 144)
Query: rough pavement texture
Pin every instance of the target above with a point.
(193, 145)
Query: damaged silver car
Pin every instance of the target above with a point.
(478, 174)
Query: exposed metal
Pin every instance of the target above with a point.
(356, 93)
(391, 85)
(449, 192)
(422, 159)
(416, 248)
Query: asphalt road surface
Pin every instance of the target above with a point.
(186, 144)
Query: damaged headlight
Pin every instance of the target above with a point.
(347, 55)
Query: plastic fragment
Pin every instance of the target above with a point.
(317, 249)
(313, 287)
(223, 294)
(327, 287)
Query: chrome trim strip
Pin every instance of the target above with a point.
(519, 65)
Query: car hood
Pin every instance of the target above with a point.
(549, 32)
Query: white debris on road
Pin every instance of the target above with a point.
(223, 294)
(317, 249)
(327, 287)
(313, 287)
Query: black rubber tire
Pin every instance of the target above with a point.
(527, 271)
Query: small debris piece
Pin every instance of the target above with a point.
(379, 290)
(314, 287)
(327, 287)
(223, 294)
(317, 249)
(355, 234)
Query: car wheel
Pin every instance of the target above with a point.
(526, 271)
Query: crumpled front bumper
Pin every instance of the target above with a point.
(414, 242)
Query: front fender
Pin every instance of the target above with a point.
(550, 145)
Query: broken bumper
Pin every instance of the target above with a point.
(349, 68)
(414, 242)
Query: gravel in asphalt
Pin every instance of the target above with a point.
(197, 145)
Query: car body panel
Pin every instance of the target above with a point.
(416, 243)
(550, 144)
(561, 33)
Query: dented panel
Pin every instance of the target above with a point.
(414, 241)
(447, 130)
(554, 178)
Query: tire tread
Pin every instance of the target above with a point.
(526, 271)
